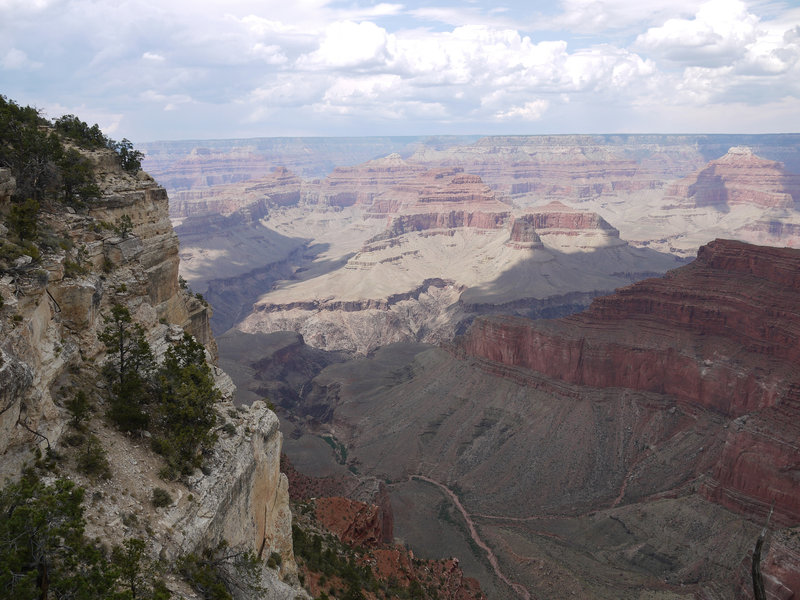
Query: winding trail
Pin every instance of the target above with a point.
(518, 588)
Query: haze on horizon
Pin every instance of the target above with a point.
(153, 70)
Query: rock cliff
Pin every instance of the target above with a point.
(720, 333)
(120, 249)
(739, 177)
(636, 446)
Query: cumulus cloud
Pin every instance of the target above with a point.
(718, 34)
(346, 44)
(597, 16)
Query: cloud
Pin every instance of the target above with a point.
(261, 68)
(719, 34)
(530, 111)
(598, 16)
(346, 44)
(16, 59)
(153, 57)
(170, 101)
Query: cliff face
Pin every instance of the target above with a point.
(738, 178)
(51, 316)
(720, 334)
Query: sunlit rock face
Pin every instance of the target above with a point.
(446, 250)
(49, 344)
(738, 178)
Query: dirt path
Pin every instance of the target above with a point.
(519, 589)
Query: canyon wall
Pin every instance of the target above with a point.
(720, 333)
(53, 310)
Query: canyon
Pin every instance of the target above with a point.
(632, 450)
(563, 432)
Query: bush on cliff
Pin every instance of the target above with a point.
(176, 400)
(128, 370)
(184, 413)
(47, 170)
(43, 550)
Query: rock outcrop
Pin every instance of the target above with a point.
(409, 284)
(121, 249)
(738, 178)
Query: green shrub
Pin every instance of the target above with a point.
(22, 219)
(80, 408)
(92, 459)
(161, 498)
(73, 270)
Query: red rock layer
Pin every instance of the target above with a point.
(739, 177)
(353, 522)
(721, 333)
(557, 215)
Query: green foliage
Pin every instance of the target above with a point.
(161, 498)
(129, 159)
(185, 413)
(43, 551)
(202, 575)
(21, 219)
(123, 227)
(28, 149)
(80, 408)
(79, 132)
(73, 270)
(44, 168)
(77, 178)
(129, 561)
(215, 572)
(128, 369)
(92, 459)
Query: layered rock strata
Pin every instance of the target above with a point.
(739, 177)
(451, 249)
(51, 318)
(720, 334)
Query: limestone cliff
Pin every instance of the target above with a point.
(121, 249)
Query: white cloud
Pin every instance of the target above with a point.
(597, 16)
(16, 59)
(169, 101)
(479, 65)
(346, 44)
(270, 54)
(718, 34)
(530, 111)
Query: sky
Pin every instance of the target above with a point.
(154, 70)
